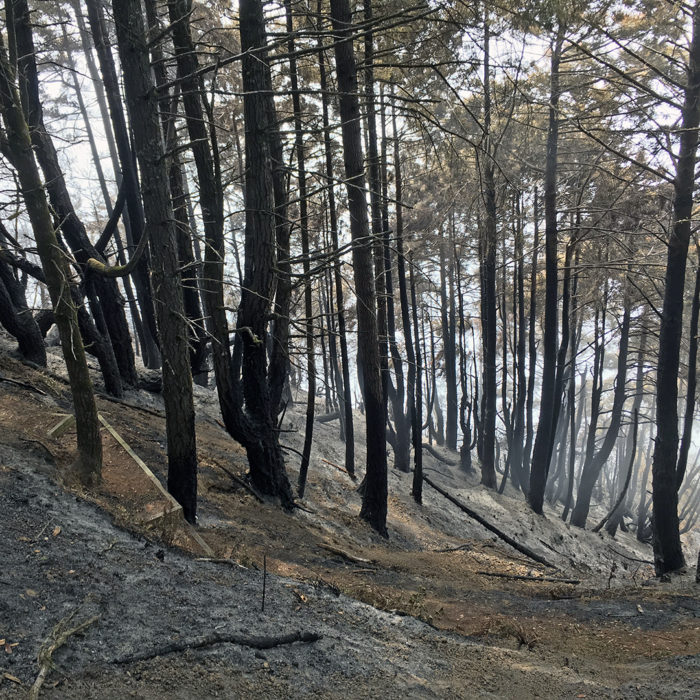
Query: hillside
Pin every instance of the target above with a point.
(432, 612)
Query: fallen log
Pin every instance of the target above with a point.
(219, 638)
(546, 579)
(491, 528)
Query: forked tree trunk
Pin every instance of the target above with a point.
(151, 352)
(691, 383)
(488, 290)
(115, 353)
(116, 168)
(185, 228)
(256, 427)
(615, 519)
(413, 384)
(417, 488)
(596, 461)
(517, 470)
(531, 350)
(304, 230)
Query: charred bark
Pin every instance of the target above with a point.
(374, 499)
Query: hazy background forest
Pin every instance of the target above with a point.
(474, 222)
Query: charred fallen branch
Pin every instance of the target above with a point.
(543, 579)
(209, 640)
(491, 528)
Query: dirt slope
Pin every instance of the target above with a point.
(434, 624)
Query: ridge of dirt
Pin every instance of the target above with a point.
(397, 618)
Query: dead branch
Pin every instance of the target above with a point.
(41, 444)
(333, 464)
(304, 508)
(241, 482)
(209, 640)
(24, 385)
(629, 558)
(438, 456)
(230, 562)
(546, 579)
(58, 637)
(345, 555)
(128, 404)
(492, 528)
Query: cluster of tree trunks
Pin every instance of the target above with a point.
(147, 269)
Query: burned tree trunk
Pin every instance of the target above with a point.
(596, 461)
(545, 428)
(374, 499)
(17, 147)
(256, 427)
(346, 398)
(165, 273)
(116, 356)
(151, 352)
(17, 318)
(668, 553)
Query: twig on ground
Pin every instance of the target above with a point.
(438, 456)
(128, 404)
(212, 560)
(41, 444)
(304, 508)
(42, 531)
(262, 608)
(220, 638)
(292, 449)
(59, 636)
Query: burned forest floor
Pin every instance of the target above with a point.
(436, 610)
